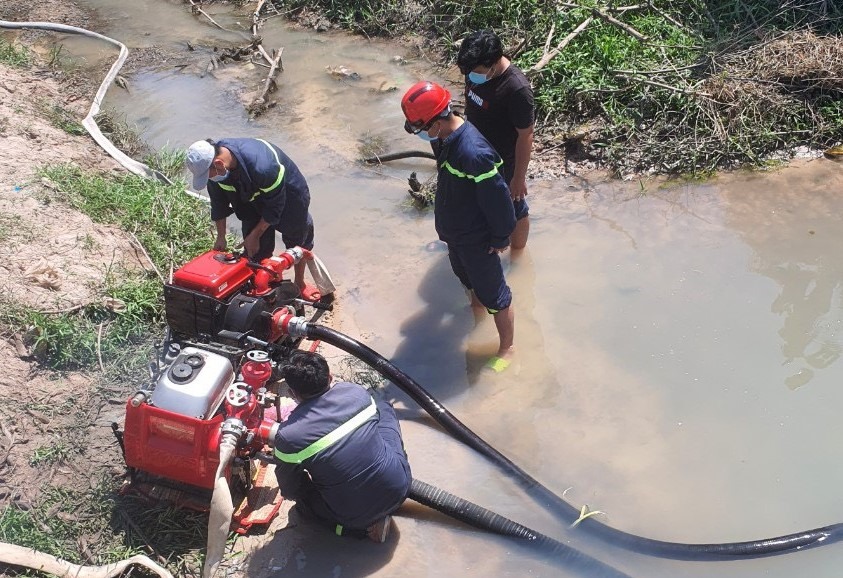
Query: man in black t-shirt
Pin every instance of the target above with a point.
(499, 102)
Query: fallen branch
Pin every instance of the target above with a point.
(658, 71)
(66, 309)
(265, 55)
(139, 245)
(28, 558)
(615, 22)
(197, 9)
(559, 47)
(665, 86)
(671, 19)
(256, 17)
(546, 48)
(259, 105)
(99, 347)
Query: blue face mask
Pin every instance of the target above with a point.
(426, 137)
(220, 178)
(477, 78)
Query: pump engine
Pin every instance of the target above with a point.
(213, 376)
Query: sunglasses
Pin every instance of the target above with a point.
(416, 128)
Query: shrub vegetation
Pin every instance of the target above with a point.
(667, 86)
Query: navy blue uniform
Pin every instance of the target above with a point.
(473, 212)
(266, 184)
(350, 445)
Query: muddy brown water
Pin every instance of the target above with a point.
(679, 345)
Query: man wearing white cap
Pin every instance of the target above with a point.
(263, 187)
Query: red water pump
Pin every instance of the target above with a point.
(213, 376)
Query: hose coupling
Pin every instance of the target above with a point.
(297, 253)
(233, 427)
(297, 327)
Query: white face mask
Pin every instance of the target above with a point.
(220, 178)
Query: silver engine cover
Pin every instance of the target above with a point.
(193, 384)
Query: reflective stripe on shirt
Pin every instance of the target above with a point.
(476, 179)
(280, 171)
(329, 438)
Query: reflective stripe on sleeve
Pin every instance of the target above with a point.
(476, 179)
(329, 438)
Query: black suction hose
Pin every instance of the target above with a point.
(676, 550)
(480, 517)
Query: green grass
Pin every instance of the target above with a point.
(125, 136)
(173, 228)
(60, 451)
(69, 523)
(61, 118)
(168, 161)
(14, 55)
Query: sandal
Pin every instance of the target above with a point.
(497, 364)
(311, 293)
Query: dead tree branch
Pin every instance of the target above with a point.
(259, 105)
(256, 18)
(615, 22)
(548, 56)
(197, 10)
(665, 86)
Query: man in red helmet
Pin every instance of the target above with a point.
(473, 210)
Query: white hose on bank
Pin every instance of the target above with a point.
(13, 555)
(320, 274)
(90, 124)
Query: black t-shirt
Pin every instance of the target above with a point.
(498, 107)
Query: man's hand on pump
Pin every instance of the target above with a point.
(252, 244)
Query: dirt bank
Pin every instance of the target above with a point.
(54, 259)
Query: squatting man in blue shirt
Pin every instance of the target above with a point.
(473, 211)
(264, 188)
(340, 454)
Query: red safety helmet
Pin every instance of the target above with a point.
(424, 102)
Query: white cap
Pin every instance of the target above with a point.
(200, 155)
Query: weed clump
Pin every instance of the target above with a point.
(14, 55)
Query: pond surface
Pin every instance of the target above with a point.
(679, 345)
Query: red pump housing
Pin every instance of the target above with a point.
(173, 446)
